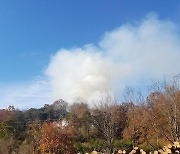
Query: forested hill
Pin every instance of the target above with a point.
(147, 122)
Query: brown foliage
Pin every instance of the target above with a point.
(79, 121)
(157, 121)
(4, 114)
(54, 141)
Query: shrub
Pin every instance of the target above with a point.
(123, 144)
(82, 148)
(146, 147)
(98, 144)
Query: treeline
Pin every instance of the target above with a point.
(148, 122)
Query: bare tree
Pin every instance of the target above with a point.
(109, 119)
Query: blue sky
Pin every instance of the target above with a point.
(32, 31)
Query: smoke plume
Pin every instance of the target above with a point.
(128, 55)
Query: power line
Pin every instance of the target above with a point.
(33, 122)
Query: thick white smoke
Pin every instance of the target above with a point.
(83, 72)
(127, 55)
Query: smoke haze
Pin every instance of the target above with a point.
(128, 55)
(132, 54)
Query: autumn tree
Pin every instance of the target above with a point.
(137, 126)
(53, 140)
(32, 137)
(156, 120)
(163, 106)
(80, 120)
(12, 130)
(13, 126)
